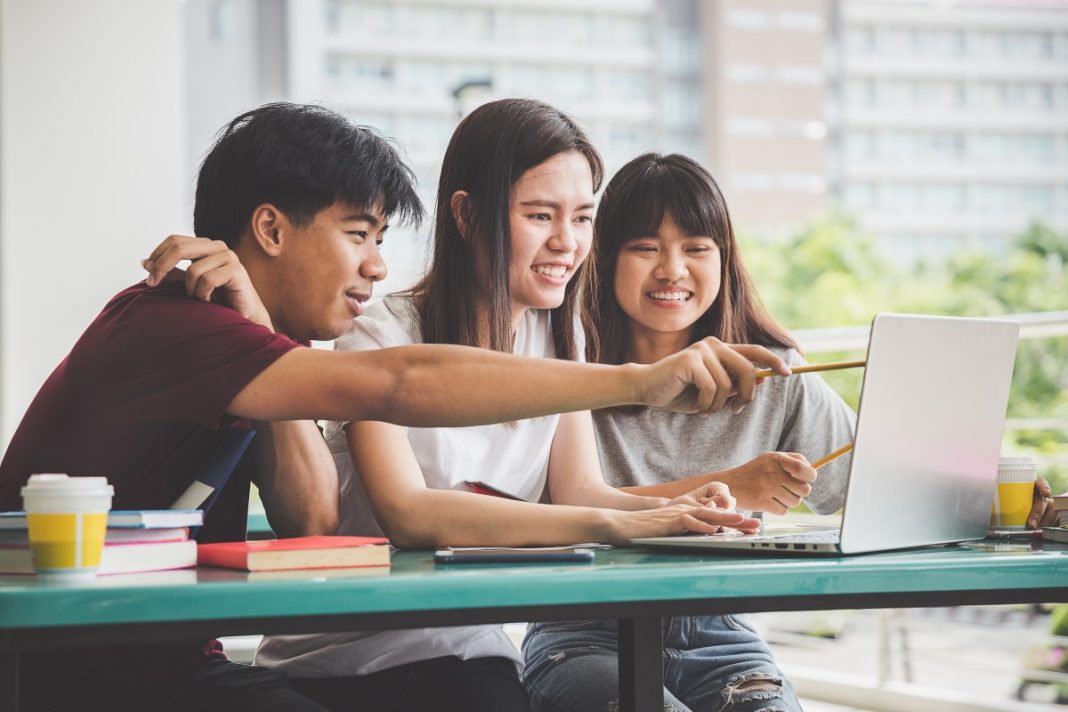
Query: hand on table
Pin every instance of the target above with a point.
(674, 519)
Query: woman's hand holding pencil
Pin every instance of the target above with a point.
(772, 482)
(775, 481)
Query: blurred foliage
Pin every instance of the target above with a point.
(833, 274)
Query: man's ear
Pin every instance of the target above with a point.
(269, 227)
(462, 210)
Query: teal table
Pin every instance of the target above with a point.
(637, 587)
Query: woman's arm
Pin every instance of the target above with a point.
(415, 516)
(575, 476)
(575, 470)
(772, 482)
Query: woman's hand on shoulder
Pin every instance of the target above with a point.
(773, 482)
(707, 376)
(214, 266)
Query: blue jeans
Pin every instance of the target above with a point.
(711, 664)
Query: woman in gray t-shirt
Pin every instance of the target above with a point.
(664, 272)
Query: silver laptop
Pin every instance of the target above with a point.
(925, 457)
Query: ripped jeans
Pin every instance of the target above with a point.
(711, 664)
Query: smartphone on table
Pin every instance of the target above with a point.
(511, 555)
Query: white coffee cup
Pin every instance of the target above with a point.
(66, 518)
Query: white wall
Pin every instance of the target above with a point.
(92, 169)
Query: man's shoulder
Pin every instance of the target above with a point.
(168, 299)
(142, 325)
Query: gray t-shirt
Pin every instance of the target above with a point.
(796, 414)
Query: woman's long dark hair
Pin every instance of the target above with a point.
(489, 151)
(634, 205)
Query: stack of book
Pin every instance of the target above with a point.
(1059, 531)
(136, 541)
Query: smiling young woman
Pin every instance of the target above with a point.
(665, 272)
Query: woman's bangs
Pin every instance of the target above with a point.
(693, 206)
(665, 192)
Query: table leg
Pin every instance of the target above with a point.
(641, 667)
(9, 680)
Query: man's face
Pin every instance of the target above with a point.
(327, 270)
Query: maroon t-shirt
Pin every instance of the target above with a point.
(139, 400)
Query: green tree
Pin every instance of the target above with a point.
(831, 273)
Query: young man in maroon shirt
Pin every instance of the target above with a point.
(300, 198)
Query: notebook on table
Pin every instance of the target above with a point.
(925, 457)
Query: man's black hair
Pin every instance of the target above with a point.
(301, 159)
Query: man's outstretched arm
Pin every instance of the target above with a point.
(447, 386)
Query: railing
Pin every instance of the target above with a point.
(1034, 325)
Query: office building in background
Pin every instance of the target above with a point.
(950, 119)
(936, 123)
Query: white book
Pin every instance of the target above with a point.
(117, 558)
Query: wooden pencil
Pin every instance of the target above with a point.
(833, 456)
(812, 368)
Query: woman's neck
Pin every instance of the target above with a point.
(648, 346)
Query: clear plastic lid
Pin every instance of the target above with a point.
(1016, 462)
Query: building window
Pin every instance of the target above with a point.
(992, 199)
(333, 70)
(626, 31)
(748, 19)
(1037, 146)
(749, 127)
(221, 20)
(681, 50)
(1036, 199)
(680, 104)
(860, 144)
(373, 18)
(332, 16)
(861, 40)
(946, 144)
(809, 130)
(895, 94)
(802, 182)
(939, 94)
(805, 75)
(628, 84)
(629, 140)
(945, 197)
(747, 73)
(799, 21)
(900, 196)
(898, 41)
(860, 195)
(748, 181)
(860, 92)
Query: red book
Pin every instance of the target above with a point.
(307, 552)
